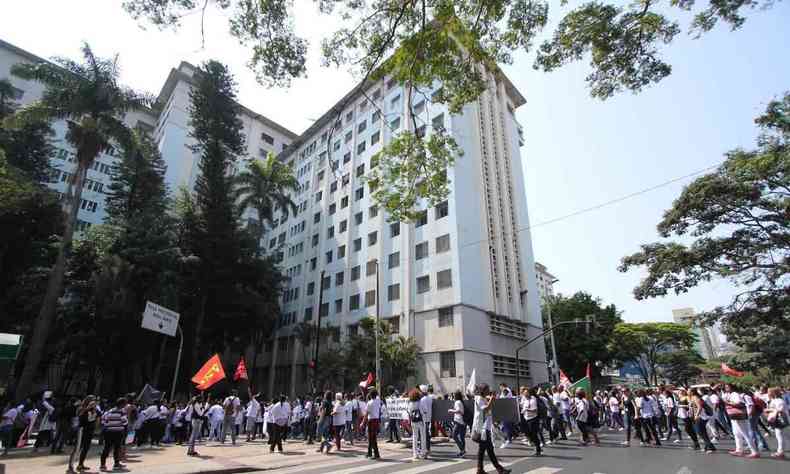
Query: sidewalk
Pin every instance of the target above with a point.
(214, 458)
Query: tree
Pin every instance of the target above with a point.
(644, 343)
(457, 43)
(575, 349)
(266, 186)
(88, 96)
(681, 366)
(28, 146)
(739, 219)
(400, 359)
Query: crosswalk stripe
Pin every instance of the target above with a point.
(540, 470)
(424, 467)
(330, 462)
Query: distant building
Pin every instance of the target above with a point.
(545, 281)
(707, 344)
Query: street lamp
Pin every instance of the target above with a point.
(555, 366)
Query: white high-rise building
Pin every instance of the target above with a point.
(545, 281)
(707, 344)
(460, 280)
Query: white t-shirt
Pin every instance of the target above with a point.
(645, 407)
(340, 414)
(565, 402)
(480, 402)
(253, 408)
(9, 417)
(458, 408)
(530, 409)
(614, 405)
(232, 401)
(279, 413)
(426, 407)
(216, 412)
(778, 406)
(373, 408)
(581, 409)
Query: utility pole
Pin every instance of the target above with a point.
(555, 367)
(318, 330)
(378, 316)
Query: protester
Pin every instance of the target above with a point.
(114, 424)
(736, 412)
(459, 425)
(417, 419)
(195, 415)
(339, 418)
(482, 426)
(776, 414)
(373, 414)
(88, 414)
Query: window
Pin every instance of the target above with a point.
(446, 317)
(332, 209)
(438, 122)
(395, 102)
(358, 218)
(315, 240)
(395, 124)
(326, 282)
(362, 126)
(346, 159)
(343, 226)
(336, 146)
(333, 187)
(423, 284)
(370, 268)
(341, 252)
(316, 218)
(358, 244)
(355, 273)
(339, 278)
(370, 298)
(420, 132)
(353, 302)
(393, 292)
(373, 238)
(444, 279)
(267, 138)
(338, 306)
(441, 210)
(352, 330)
(419, 108)
(329, 257)
(318, 196)
(310, 288)
(330, 232)
(308, 314)
(375, 138)
(361, 170)
(374, 161)
(272, 243)
(447, 364)
(349, 136)
(395, 229)
(313, 263)
(321, 173)
(324, 310)
(394, 260)
(391, 83)
(394, 324)
(373, 211)
(421, 251)
(346, 179)
(344, 202)
(376, 117)
(443, 243)
(349, 116)
(422, 219)
(361, 147)
(359, 194)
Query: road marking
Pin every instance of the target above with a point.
(425, 467)
(331, 462)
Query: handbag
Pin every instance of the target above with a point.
(736, 413)
(476, 436)
(777, 421)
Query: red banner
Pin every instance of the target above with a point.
(241, 371)
(211, 373)
(367, 382)
(727, 370)
(564, 380)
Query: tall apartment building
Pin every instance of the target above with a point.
(707, 344)
(545, 281)
(460, 280)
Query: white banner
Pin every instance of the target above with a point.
(398, 408)
(160, 319)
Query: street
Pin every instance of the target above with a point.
(567, 457)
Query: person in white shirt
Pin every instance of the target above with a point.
(459, 425)
(482, 426)
(736, 410)
(646, 418)
(426, 407)
(529, 410)
(776, 415)
(341, 416)
(253, 407)
(47, 425)
(196, 411)
(308, 418)
(671, 413)
(417, 420)
(614, 409)
(279, 415)
(7, 427)
(373, 414)
(215, 415)
(231, 407)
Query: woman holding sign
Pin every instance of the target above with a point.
(481, 428)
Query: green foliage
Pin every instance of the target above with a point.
(681, 367)
(411, 169)
(575, 349)
(644, 343)
(27, 147)
(739, 218)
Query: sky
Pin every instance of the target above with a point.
(579, 152)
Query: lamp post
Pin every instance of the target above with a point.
(539, 336)
(555, 366)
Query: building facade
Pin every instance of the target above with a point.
(461, 279)
(707, 344)
(545, 281)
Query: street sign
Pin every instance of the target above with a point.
(9, 346)
(160, 319)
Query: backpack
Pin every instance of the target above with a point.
(469, 416)
(759, 405)
(592, 413)
(542, 410)
(415, 415)
(229, 406)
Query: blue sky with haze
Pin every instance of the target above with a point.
(579, 151)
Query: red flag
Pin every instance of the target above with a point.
(241, 371)
(211, 373)
(589, 376)
(564, 380)
(727, 370)
(367, 382)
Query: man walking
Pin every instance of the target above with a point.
(374, 423)
(114, 423)
(231, 407)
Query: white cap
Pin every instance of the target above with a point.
(423, 388)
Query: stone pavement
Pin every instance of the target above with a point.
(566, 457)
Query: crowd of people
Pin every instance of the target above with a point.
(704, 415)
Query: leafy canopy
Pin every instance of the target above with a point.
(644, 343)
(737, 220)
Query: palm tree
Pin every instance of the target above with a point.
(266, 186)
(89, 98)
(401, 357)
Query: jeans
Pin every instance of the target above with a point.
(112, 442)
(418, 443)
(486, 446)
(228, 424)
(700, 426)
(688, 425)
(757, 436)
(459, 436)
(337, 430)
(532, 426)
(392, 430)
(197, 425)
